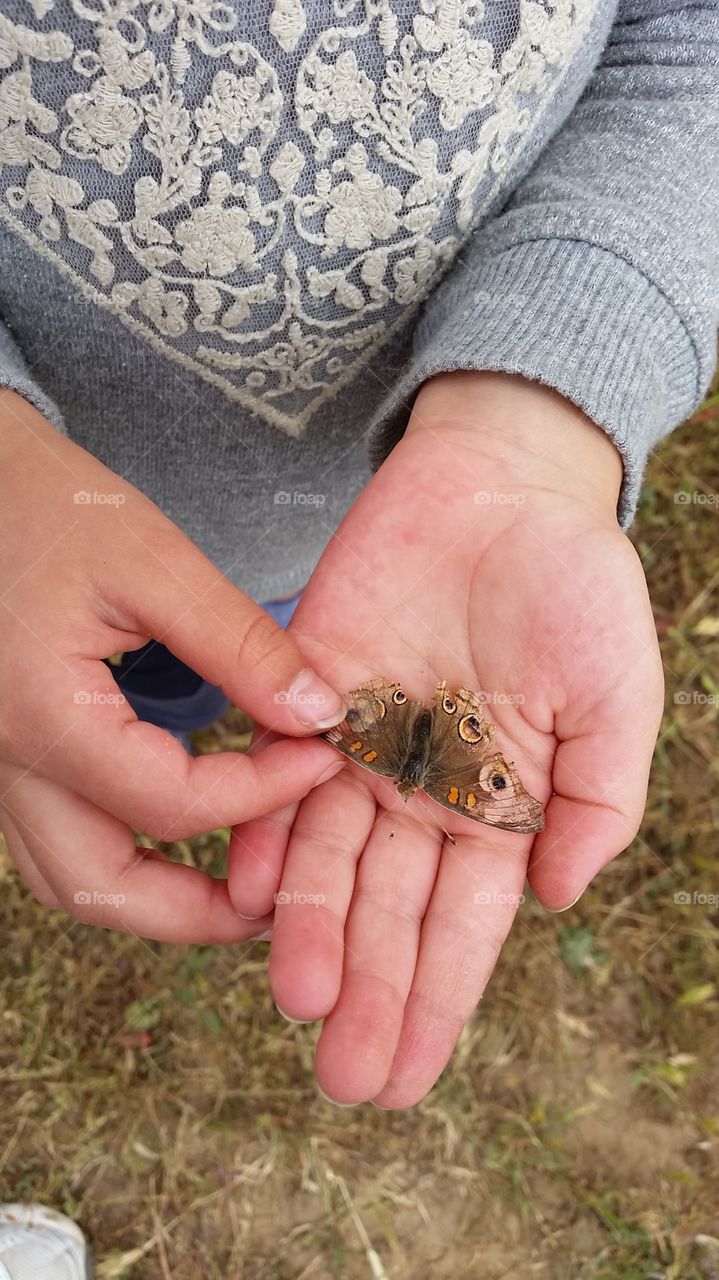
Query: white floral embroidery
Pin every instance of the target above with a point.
(166, 309)
(362, 208)
(238, 105)
(267, 226)
(104, 122)
(216, 239)
(287, 23)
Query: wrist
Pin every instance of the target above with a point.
(526, 430)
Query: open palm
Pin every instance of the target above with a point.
(454, 564)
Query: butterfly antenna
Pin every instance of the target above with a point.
(439, 824)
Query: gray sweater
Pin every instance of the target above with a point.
(235, 238)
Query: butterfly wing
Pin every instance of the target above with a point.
(468, 775)
(377, 727)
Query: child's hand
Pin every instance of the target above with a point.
(485, 551)
(83, 577)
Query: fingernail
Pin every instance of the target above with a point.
(332, 1101)
(298, 1022)
(334, 768)
(314, 704)
(380, 1108)
(557, 911)
(265, 937)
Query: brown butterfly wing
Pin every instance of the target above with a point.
(449, 746)
(473, 778)
(376, 729)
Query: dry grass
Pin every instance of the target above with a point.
(153, 1092)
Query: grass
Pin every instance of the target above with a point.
(152, 1091)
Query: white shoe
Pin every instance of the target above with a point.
(37, 1243)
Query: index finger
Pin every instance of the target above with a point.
(142, 775)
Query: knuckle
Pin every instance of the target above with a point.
(263, 642)
(450, 1013)
(386, 987)
(389, 899)
(327, 845)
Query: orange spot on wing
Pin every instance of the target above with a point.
(355, 746)
(370, 756)
(471, 800)
(453, 795)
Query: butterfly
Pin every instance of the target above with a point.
(447, 749)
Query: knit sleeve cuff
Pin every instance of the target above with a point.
(569, 314)
(15, 376)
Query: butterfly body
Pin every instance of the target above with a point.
(447, 750)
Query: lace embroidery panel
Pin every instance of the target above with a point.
(268, 225)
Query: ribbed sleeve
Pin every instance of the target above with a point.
(600, 277)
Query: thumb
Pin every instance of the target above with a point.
(599, 786)
(178, 597)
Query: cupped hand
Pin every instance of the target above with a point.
(485, 551)
(90, 567)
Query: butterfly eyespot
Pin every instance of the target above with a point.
(449, 706)
(498, 781)
(469, 729)
(399, 697)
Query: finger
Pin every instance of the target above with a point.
(600, 783)
(327, 840)
(90, 862)
(29, 873)
(257, 850)
(142, 775)
(470, 914)
(394, 885)
(220, 633)
(255, 858)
